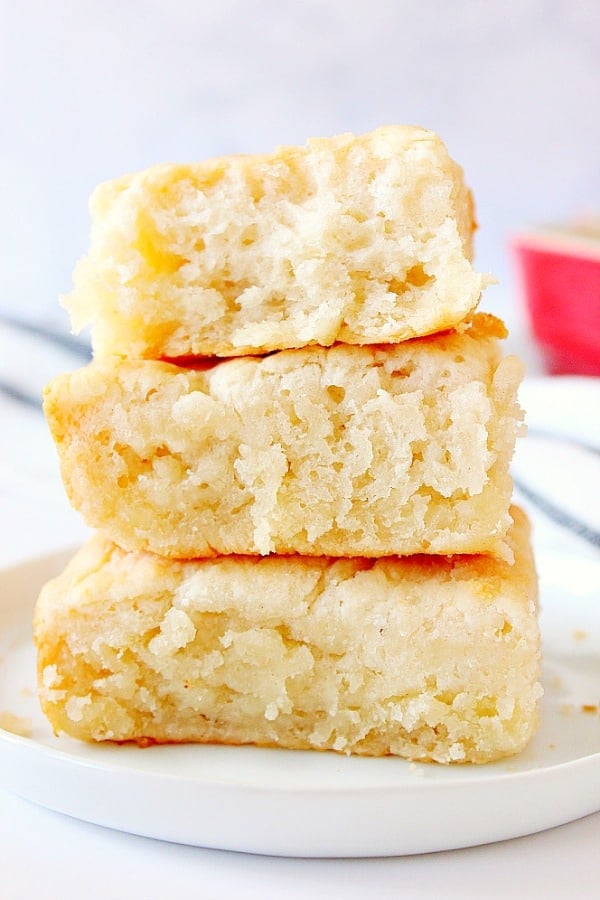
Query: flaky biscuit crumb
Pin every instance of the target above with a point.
(361, 240)
(343, 451)
(426, 658)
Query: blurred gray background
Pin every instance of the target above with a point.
(93, 90)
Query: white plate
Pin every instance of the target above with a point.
(310, 804)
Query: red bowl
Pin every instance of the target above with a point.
(560, 281)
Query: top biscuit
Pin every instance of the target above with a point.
(359, 240)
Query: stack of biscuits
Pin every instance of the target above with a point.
(294, 443)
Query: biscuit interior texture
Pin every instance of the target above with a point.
(343, 451)
(426, 658)
(354, 239)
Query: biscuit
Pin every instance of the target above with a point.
(430, 658)
(346, 451)
(353, 239)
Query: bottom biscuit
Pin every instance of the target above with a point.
(429, 658)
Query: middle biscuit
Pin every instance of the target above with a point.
(344, 451)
